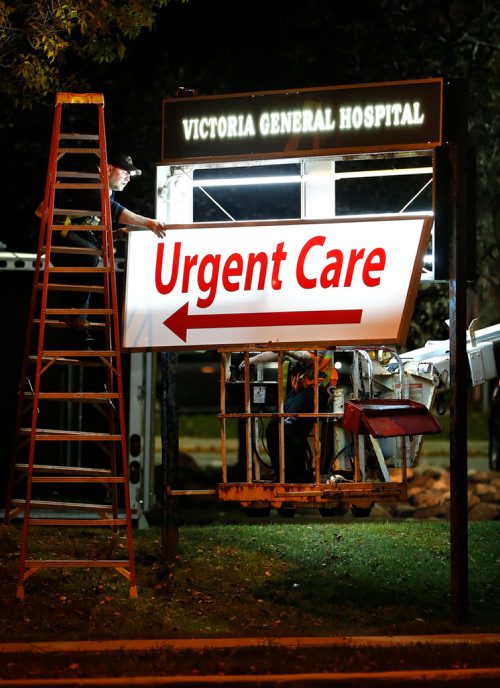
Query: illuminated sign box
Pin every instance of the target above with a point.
(305, 122)
(274, 283)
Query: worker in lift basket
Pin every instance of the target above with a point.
(121, 170)
(299, 399)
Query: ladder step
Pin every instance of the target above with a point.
(85, 288)
(74, 563)
(62, 323)
(94, 522)
(114, 480)
(68, 357)
(79, 151)
(78, 228)
(75, 470)
(75, 185)
(66, 361)
(70, 435)
(64, 506)
(78, 213)
(74, 136)
(79, 311)
(65, 174)
(73, 250)
(101, 397)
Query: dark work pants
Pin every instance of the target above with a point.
(298, 466)
(84, 239)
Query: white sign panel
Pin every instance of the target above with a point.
(274, 283)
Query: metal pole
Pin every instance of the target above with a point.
(458, 386)
(169, 453)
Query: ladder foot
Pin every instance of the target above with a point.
(20, 592)
(133, 592)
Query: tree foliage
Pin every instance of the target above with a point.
(42, 40)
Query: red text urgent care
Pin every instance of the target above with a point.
(317, 266)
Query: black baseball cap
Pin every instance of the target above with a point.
(124, 162)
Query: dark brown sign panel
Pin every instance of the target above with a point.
(275, 124)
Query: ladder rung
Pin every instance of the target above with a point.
(64, 506)
(74, 136)
(77, 522)
(78, 213)
(79, 480)
(70, 435)
(98, 270)
(62, 323)
(63, 149)
(76, 470)
(73, 563)
(75, 185)
(73, 250)
(68, 361)
(57, 360)
(65, 357)
(79, 311)
(65, 174)
(91, 288)
(75, 396)
(79, 228)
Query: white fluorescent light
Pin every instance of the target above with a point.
(297, 179)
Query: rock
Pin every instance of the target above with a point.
(479, 477)
(472, 500)
(402, 510)
(429, 495)
(435, 473)
(437, 511)
(484, 512)
(428, 498)
(485, 492)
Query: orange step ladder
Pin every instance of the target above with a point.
(70, 451)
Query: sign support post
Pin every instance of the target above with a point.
(458, 389)
(455, 130)
(170, 454)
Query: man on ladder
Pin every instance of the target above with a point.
(120, 171)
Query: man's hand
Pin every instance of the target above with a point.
(159, 228)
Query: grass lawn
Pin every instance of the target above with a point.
(290, 579)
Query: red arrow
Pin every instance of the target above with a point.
(180, 321)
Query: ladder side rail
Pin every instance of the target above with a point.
(110, 306)
(106, 235)
(48, 212)
(30, 320)
(114, 338)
